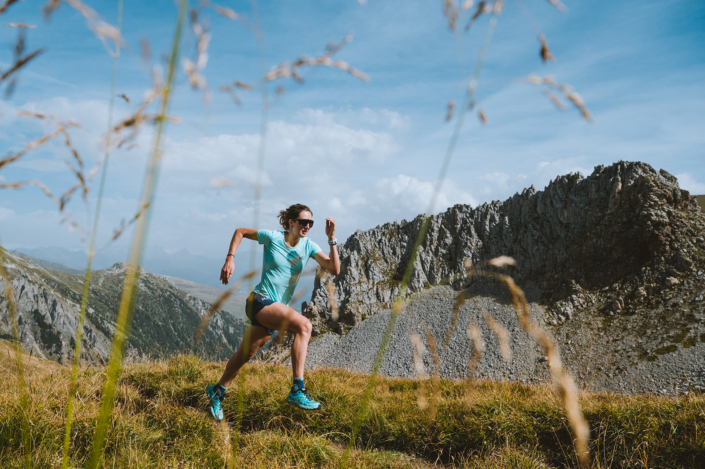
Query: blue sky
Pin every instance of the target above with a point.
(362, 152)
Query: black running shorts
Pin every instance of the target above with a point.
(255, 302)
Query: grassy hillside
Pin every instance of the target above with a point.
(701, 201)
(160, 420)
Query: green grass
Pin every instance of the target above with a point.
(160, 420)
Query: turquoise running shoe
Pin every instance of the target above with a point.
(302, 400)
(216, 409)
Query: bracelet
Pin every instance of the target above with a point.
(333, 242)
(229, 255)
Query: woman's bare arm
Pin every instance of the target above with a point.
(227, 270)
(332, 263)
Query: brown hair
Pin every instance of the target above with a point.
(292, 213)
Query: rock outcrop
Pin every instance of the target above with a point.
(577, 234)
(613, 266)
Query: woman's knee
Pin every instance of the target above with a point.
(302, 326)
(306, 327)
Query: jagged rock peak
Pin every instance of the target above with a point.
(579, 232)
(117, 267)
(120, 268)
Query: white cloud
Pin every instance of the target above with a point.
(335, 203)
(499, 179)
(35, 228)
(294, 152)
(502, 185)
(409, 196)
(298, 145)
(384, 117)
(356, 198)
(688, 182)
(378, 119)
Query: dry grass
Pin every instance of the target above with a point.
(160, 420)
(293, 69)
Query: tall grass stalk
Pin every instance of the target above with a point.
(23, 389)
(91, 252)
(263, 126)
(127, 302)
(398, 302)
(257, 198)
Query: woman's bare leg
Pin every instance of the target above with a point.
(258, 336)
(279, 316)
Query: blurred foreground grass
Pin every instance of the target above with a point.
(161, 420)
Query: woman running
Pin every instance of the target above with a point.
(285, 255)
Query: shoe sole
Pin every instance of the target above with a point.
(296, 404)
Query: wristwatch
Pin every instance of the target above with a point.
(333, 242)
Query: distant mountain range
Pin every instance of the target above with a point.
(165, 317)
(235, 304)
(181, 264)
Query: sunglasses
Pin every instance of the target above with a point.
(304, 223)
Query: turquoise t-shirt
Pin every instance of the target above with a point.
(282, 265)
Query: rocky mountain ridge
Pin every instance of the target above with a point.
(578, 234)
(165, 318)
(612, 265)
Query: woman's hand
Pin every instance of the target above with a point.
(227, 270)
(330, 228)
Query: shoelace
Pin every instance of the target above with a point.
(304, 391)
(216, 397)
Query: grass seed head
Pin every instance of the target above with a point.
(244, 86)
(218, 305)
(450, 10)
(554, 99)
(502, 335)
(330, 287)
(451, 107)
(229, 89)
(501, 261)
(556, 3)
(6, 5)
(226, 12)
(546, 54)
(20, 25)
(100, 28)
(417, 351)
(475, 337)
(478, 11)
(459, 302)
